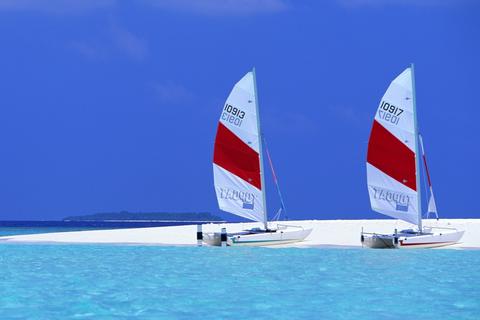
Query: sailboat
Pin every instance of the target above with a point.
(238, 170)
(393, 171)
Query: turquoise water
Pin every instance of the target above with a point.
(150, 282)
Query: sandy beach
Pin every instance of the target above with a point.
(325, 233)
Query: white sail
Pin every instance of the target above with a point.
(236, 161)
(432, 206)
(391, 159)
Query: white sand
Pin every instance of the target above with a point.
(325, 233)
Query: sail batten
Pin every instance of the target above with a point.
(391, 157)
(237, 160)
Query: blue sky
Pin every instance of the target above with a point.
(113, 105)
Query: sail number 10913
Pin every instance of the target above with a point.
(389, 112)
(233, 115)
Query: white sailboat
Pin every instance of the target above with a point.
(238, 170)
(393, 171)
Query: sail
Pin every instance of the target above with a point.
(391, 160)
(236, 159)
(432, 206)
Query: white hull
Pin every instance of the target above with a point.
(429, 238)
(259, 238)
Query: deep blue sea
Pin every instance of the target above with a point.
(154, 282)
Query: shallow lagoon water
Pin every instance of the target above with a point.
(153, 282)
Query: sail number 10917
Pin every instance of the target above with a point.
(389, 112)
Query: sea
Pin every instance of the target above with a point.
(72, 281)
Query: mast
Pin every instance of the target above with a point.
(417, 159)
(260, 152)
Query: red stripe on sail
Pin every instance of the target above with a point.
(237, 157)
(391, 156)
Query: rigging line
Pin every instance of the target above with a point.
(277, 215)
(283, 208)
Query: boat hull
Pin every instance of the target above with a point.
(379, 242)
(270, 238)
(409, 240)
(435, 240)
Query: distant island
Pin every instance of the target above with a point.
(147, 216)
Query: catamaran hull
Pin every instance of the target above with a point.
(379, 242)
(410, 241)
(431, 241)
(271, 238)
